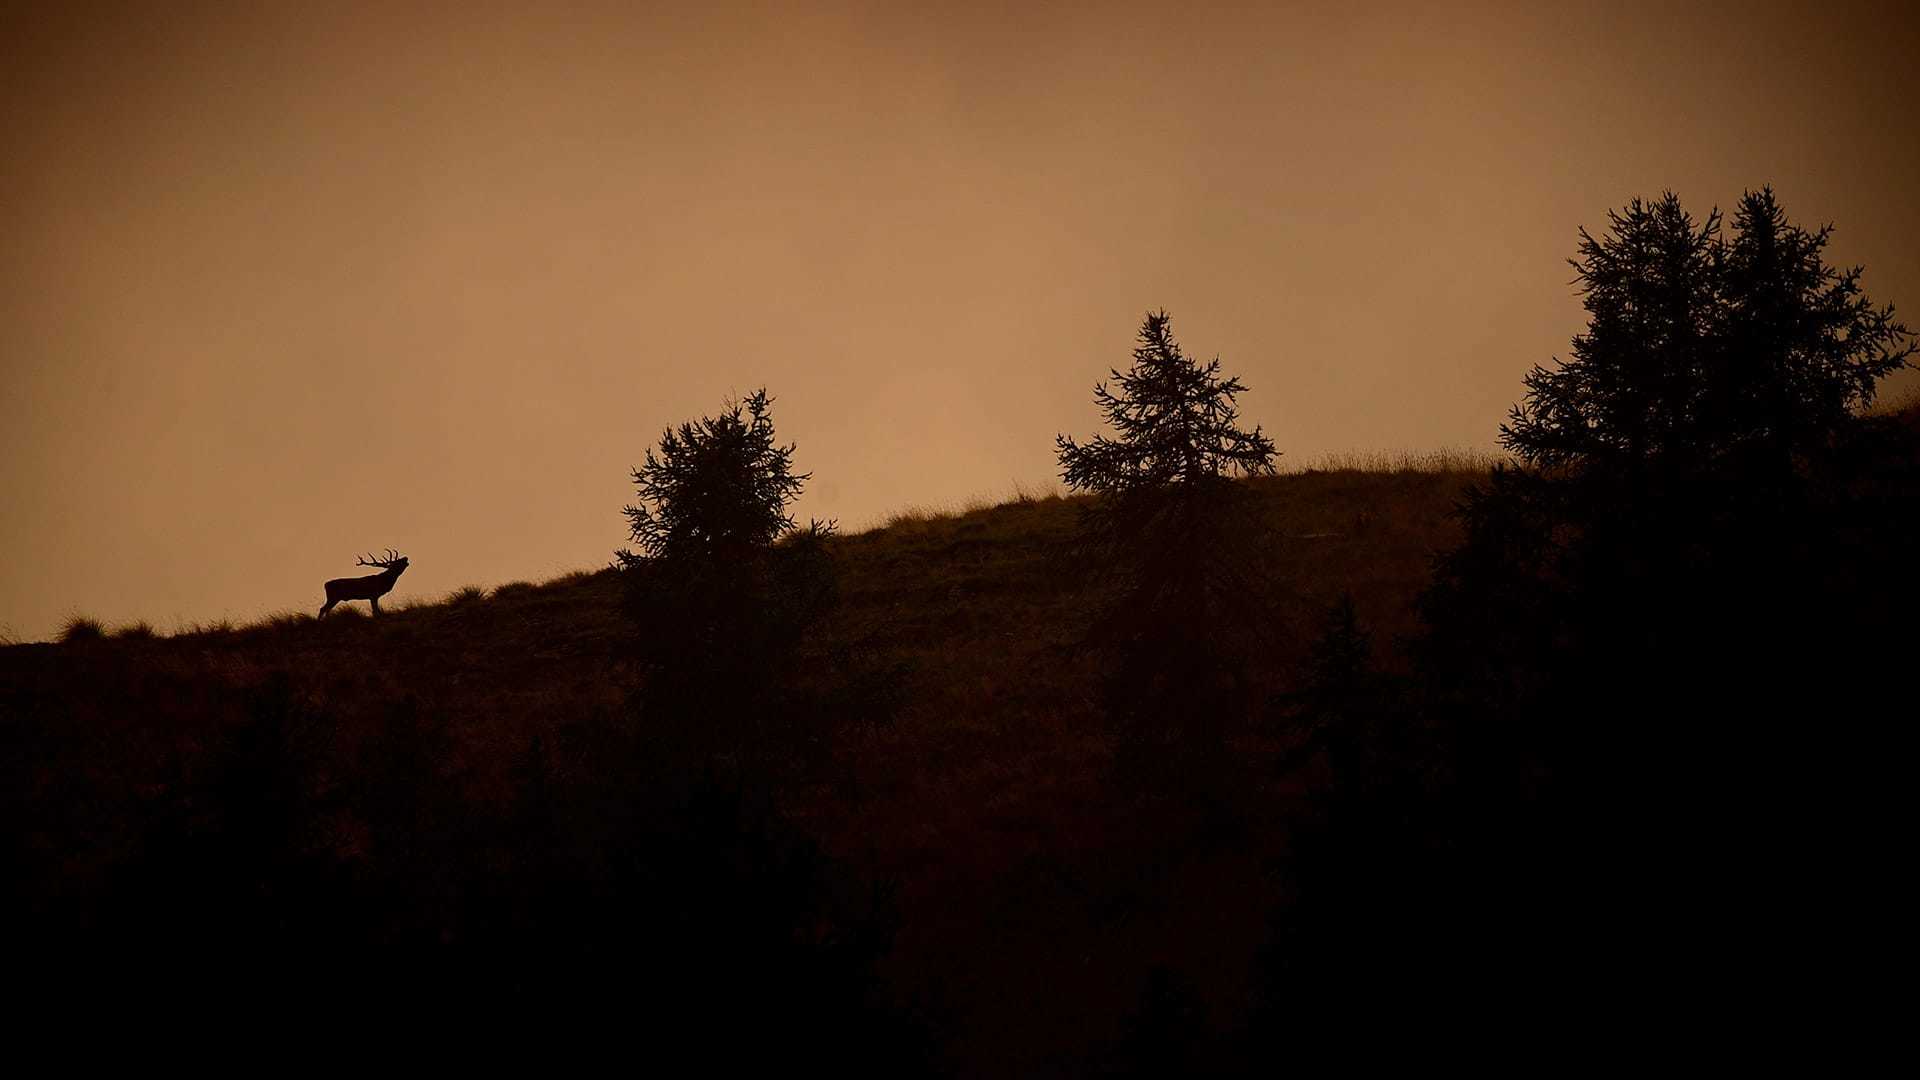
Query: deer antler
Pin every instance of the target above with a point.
(368, 559)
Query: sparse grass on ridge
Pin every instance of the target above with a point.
(217, 629)
(1020, 494)
(1449, 460)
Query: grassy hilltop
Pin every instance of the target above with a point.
(1025, 929)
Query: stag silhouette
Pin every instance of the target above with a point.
(370, 588)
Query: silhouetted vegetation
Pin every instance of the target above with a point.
(1698, 487)
(718, 601)
(81, 628)
(1706, 353)
(1175, 422)
(512, 589)
(1675, 594)
(1176, 541)
(467, 594)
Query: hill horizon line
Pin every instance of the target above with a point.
(83, 625)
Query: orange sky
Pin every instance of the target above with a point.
(276, 288)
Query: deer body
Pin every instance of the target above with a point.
(370, 588)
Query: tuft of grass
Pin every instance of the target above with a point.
(79, 628)
(466, 594)
(139, 631)
(515, 588)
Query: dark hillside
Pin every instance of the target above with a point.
(1028, 921)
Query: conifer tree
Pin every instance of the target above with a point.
(717, 490)
(1703, 350)
(1166, 519)
(718, 606)
(1177, 543)
(1686, 508)
(1680, 593)
(1175, 422)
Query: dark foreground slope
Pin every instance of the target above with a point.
(456, 781)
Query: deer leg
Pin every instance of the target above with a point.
(328, 606)
(375, 601)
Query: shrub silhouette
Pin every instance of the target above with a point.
(724, 582)
(1173, 535)
(716, 491)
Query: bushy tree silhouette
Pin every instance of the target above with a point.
(1699, 443)
(717, 490)
(1672, 583)
(724, 583)
(723, 896)
(1175, 538)
(1705, 350)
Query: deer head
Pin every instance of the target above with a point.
(394, 561)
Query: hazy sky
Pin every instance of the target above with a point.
(280, 286)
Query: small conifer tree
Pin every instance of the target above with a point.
(1177, 542)
(718, 605)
